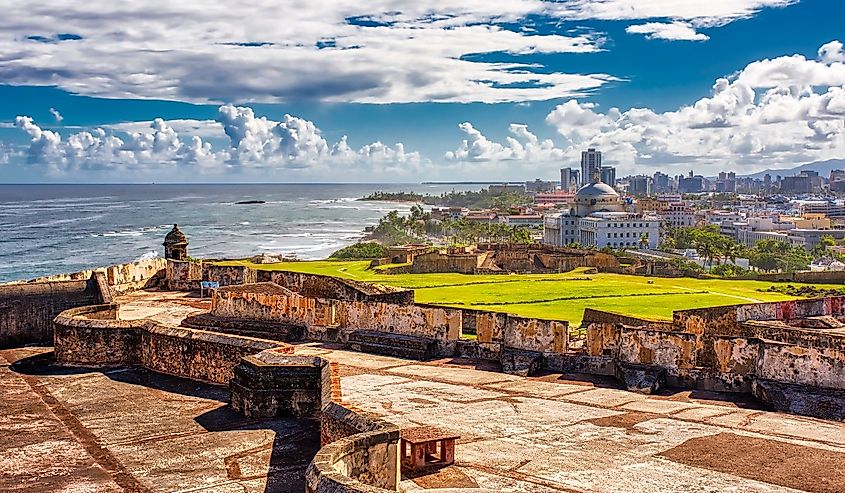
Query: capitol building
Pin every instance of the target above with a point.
(598, 218)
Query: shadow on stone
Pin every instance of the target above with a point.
(282, 462)
(296, 442)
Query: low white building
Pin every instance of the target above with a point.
(679, 215)
(598, 218)
(619, 230)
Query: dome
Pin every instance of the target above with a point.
(596, 191)
(175, 237)
(597, 197)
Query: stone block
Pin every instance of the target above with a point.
(269, 384)
(801, 399)
(643, 379)
(521, 362)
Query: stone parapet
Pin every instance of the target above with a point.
(270, 384)
(92, 336)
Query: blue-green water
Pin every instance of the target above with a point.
(50, 229)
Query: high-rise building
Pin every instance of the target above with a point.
(692, 184)
(726, 182)
(804, 182)
(837, 180)
(639, 185)
(661, 182)
(568, 179)
(608, 175)
(590, 161)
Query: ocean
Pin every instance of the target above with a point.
(51, 229)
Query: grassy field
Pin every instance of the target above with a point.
(557, 296)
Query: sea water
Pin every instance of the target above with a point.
(51, 229)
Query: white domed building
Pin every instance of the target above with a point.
(598, 218)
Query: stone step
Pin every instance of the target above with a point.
(390, 339)
(404, 352)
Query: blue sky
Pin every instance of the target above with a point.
(464, 89)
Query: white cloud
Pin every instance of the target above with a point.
(378, 51)
(699, 12)
(253, 142)
(522, 146)
(774, 113)
(832, 52)
(56, 115)
(6, 154)
(673, 31)
(200, 128)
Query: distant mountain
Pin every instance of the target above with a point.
(823, 167)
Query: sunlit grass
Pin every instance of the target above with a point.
(553, 296)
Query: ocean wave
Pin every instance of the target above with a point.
(147, 256)
(333, 201)
(57, 222)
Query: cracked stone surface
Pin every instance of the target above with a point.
(551, 433)
(78, 430)
(83, 430)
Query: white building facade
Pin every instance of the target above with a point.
(598, 218)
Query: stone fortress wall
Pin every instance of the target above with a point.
(27, 309)
(360, 451)
(490, 258)
(790, 355)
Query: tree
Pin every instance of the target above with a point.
(821, 248)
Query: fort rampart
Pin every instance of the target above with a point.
(27, 309)
(360, 452)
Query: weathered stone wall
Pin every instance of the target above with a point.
(603, 339)
(791, 310)
(413, 320)
(229, 275)
(822, 277)
(270, 384)
(27, 310)
(513, 258)
(810, 366)
(487, 326)
(534, 334)
(318, 286)
(121, 278)
(92, 336)
(267, 302)
(183, 275)
(432, 262)
(593, 316)
(366, 461)
(196, 354)
(88, 337)
(670, 350)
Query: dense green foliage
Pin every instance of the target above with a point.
(394, 229)
(767, 255)
(482, 199)
(772, 255)
(395, 197)
(363, 250)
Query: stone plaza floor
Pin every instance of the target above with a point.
(77, 430)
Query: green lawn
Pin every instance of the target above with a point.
(557, 296)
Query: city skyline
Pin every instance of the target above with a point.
(396, 93)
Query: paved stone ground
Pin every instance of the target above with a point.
(130, 430)
(556, 434)
(81, 431)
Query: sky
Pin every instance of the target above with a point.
(406, 91)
